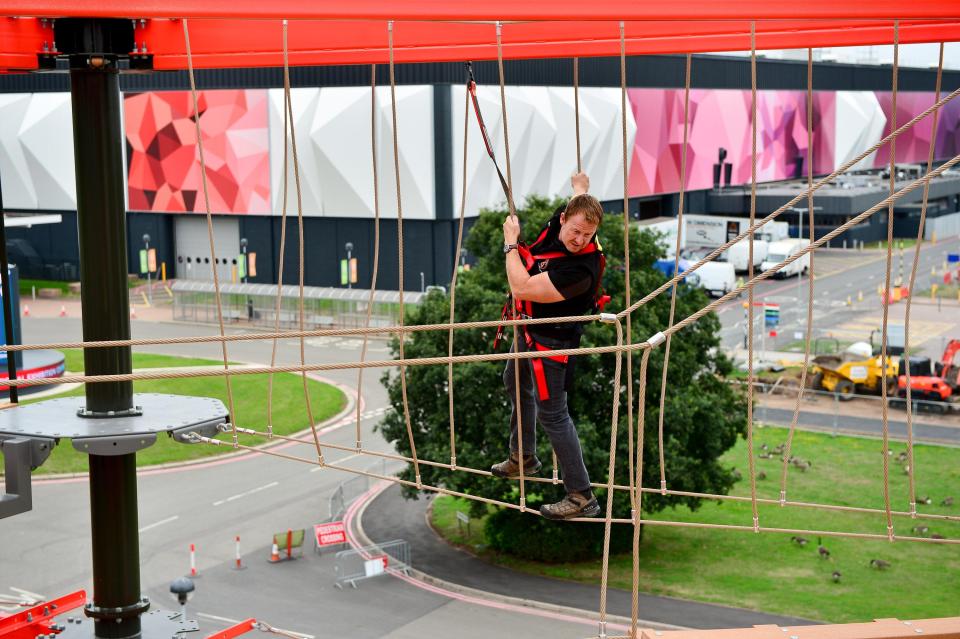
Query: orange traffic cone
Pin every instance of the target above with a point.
(275, 553)
(63, 310)
(26, 310)
(133, 312)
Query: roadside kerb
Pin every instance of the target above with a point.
(358, 539)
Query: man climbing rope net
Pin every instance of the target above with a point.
(557, 276)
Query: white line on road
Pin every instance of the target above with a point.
(245, 494)
(236, 621)
(160, 523)
(338, 461)
(32, 595)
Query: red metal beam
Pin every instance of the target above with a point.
(36, 620)
(256, 43)
(506, 10)
(241, 628)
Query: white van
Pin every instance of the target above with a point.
(779, 251)
(739, 254)
(717, 278)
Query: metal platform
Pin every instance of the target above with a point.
(61, 418)
(29, 432)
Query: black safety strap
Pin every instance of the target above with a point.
(472, 88)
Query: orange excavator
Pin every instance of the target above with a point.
(937, 387)
(948, 367)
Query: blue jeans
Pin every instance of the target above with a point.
(552, 414)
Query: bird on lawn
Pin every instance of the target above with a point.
(926, 500)
(879, 564)
(762, 475)
(902, 457)
(765, 456)
(821, 549)
(921, 530)
(948, 501)
(836, 576)
(800, 541)
(937, 536)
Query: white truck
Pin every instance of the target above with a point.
(714, 230)
(780, 251)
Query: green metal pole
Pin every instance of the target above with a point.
(101, 221)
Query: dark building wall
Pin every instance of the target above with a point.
(714, 72)
(159, 226)
(46, 251)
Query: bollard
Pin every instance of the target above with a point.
(859, 296)
(63, 310)
(26, 310)
(193, 560)
(849, 301)
(844, 245)
(238, 565)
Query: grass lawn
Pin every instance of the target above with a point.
(768, 572)
(250, 404)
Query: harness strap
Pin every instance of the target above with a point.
(539, 374)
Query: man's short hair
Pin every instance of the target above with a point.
(586, 204)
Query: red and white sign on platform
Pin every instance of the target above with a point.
(330, 534)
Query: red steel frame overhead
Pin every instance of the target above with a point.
(244, 33)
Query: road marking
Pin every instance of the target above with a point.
(236, 621)
(32, 595)
(160, 523)
(247, 493)
(338, 461)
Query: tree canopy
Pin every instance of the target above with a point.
(704, 415)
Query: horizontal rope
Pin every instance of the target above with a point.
(203, 371)
(493, 502)
(320, 332)
(547, 480)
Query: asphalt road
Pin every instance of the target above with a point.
(839, 274)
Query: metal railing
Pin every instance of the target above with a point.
(357, 564)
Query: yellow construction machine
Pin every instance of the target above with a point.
(854, 370)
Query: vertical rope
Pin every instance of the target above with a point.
(753, 215)
(638, 489)
(611, 467)
(213, 250)
(300, 245)
(453, 277)
(676, 269)
(576, 110)
(400, 335)
(626, 251)
(886, 305)
(809, 328)
(513, 212)
(376, 239)
(283, 231)
(913, 278)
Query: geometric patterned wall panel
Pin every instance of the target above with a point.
(163, 158)
(913, 145)
(717, 118)
(36, 151)
(542, 143)
(332, 126)
(858, 125)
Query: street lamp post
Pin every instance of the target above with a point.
(146, 244)
(349, 247)
(243, 252)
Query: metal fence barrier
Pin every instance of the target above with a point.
(357, 564)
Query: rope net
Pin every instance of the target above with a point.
(621, 344)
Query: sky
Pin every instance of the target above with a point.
(911, 55)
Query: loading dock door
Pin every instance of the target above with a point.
(193, 247)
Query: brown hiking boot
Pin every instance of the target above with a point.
(573, 505)
(510, 469)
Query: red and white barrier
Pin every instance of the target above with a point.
(26, 310)
(193, 560)
(63, 310)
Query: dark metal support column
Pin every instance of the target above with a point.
(7, 302)
(101, 221)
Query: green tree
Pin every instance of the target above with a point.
(704, 415)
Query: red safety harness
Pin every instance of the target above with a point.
(523, 309)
